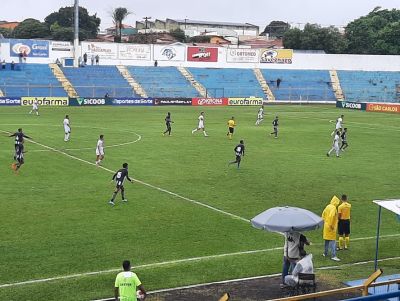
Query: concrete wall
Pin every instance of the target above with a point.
(299, 61)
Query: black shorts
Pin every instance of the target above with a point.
(121, 187)
(231, 130)
(238, 158)
(344, 227)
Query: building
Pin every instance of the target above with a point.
(127, 30)
(8, 25)
(195, 28)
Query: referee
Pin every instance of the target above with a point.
(126, 285)
(344, 223)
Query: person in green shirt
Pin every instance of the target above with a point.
(127, 283)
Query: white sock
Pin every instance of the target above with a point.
(204, 132)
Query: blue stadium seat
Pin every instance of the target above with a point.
(228, 82)
(163, 82)
(96, 81)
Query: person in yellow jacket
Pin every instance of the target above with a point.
(231, 127)
(330, 217)
(344, 223)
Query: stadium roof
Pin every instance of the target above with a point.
(188, 21)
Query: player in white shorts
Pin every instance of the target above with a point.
(200, 126)
(260, 115)
(335, 145)
(67, 128)
(339, 125)
(100, 150)
(35, 107)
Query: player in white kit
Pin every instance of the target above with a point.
(260, 115)
(200, 126)
(35, 107)
(100, 150)
(335, 145)
(67, 128)
(339, 125)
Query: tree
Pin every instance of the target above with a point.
(119, 15)
(31, 29)
(178, 34)
(276, 29)
(376, 33)
(5, 32)
(64, 18)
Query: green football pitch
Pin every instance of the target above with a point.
(187, 216)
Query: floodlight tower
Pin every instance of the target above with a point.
(76, 33)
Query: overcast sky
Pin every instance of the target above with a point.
(259, 12)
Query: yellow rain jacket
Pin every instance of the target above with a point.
(330, 217)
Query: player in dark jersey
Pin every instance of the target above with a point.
(168, 122)
(239, 152)
(343, 137)
(19, 140)
(119, 178)
(19, 157)
(275, 124)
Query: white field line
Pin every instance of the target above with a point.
(140, 182)
(185, 260)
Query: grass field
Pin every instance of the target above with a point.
(55, 220)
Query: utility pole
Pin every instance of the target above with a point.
(76, 34)
(145, 26)
(185, 22)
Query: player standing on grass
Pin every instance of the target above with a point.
(100, 150)
(344, 223)
(119, 178)
(239, 152)
(168, 122)
(19, 140)
(19, 157)
(343, 136)
(231, 127)
(67, 128)
(260, 115)
(339, 125)
(200, 125)
(335, 145)
(126, 285)
(35, 107)
(275, 124)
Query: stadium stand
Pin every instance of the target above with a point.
(228, 82)
(163, 82)
(96, 81)
(377, 86)
(30, 80)
(300, 84)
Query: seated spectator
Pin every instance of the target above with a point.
(305, 266)
(3, 64)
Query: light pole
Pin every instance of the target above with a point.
(76, 34)
(145, 25)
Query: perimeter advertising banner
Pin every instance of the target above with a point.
(30, 48)
(126, 101)
(170, 101)
(351, 105)
(106, 51)
(383, 107)
(210, 101)
(169, 53)
(240, 55)
(45, 101)
(90, 101)
(134, 52)
(245, 101)
(276, 56)
(10, 101)
(202, 54)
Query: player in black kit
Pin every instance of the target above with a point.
(343, 136)
(275, 124)
(19, 140)
(168, 122)
(119, 178)
(239, 152)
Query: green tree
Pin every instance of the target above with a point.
(178, 34)
(119, 15)
(88, 25)
(5, 32)
(31, 29)
(375, 33)
(276, 29)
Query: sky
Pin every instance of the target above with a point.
(258, 12)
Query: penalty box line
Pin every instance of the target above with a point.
(141, 182)
(188, 260)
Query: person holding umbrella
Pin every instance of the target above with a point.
(330, 217)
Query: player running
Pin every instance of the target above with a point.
(275, 124)
(19, 157)
(19, 140)
(343, 137)
(260, 115)
(119, 178)
(67, 128)
(200, 126)
(231, 127)
(335, 145)
(339, 125)
(239, 152)
(100, 150)
(35, 107)
(168, 122)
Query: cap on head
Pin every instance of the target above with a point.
(125, 165)
(126, 265)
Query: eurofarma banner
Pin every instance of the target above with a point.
(45, 101)
(169, 53)
(276, 56)
(29, 48)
